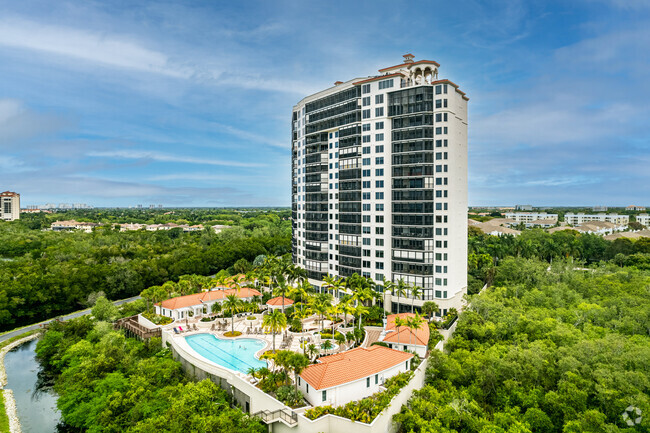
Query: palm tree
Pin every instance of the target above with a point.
(340, 340)
(312, 351)
(281, 290)
(400, 289)
(301, 314)
(415, 323)
(362, 311)
(399, 322)
(252, 371)
(298, 363)
(320, 304)
(334, 312)
(275, 322)
(234, 304)
(347, 308)
(216, 308)
(429, 308)
(416, 292)
(327, 345)
(283, 360)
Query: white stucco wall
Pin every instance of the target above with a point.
(351, 391)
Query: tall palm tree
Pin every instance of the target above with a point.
(298, 362)
(275, 321)
(399, 322)
(340, 340)
(347, 308)
(362, 311)
(415, 323)
(320, 304)
(416, 292)
(234, 304)
(400, 289)
(301, 314)
(281, 290)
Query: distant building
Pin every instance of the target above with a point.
(599, 208)
(219, 228)
(200, 304)
(524, 207)
(9, 206)
(643, 219)
(639, 208)
(527, 217)
(580, 218)
(543, 223)
(59, 226)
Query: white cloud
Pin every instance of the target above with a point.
(166, 157)
(111, 50)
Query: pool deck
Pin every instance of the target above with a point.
(241, 325)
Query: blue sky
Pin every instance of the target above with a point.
(116, 103)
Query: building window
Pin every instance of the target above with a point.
(366, 114)
(379, 172)
(379, 125)
(379, 111)
(379, 183)
(367, 382)
(379, 254)
(365, 173)
(379, 265)
(379, 242)
(379, 230)
(376, 379)
(365, 127)
(366, 161)
(379, 195)
(386, 84)
(365, 88)
(364, 102)
(366, 150)
(379, 137)
(379, 160)
(325, 392)
(379, 99)
(379, 149)
(306, 384)
(366, 139)
(379, 207)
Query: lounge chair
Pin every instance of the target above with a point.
(176, 331)
(181, 329)
(194, 327)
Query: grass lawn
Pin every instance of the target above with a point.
(4, 419)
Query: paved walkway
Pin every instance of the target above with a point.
(74, 315)
(372, 336)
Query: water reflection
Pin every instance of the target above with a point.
(35, 399)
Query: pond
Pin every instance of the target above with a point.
(36, 405)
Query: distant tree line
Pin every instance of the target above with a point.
(44, 274)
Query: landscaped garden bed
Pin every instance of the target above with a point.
(232, 334)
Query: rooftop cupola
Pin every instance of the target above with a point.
(408, 58)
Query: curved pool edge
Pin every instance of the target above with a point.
(182, 341)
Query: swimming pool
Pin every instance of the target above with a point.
(236, 354)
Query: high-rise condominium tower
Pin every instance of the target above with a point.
(9, 206)
(379, 170)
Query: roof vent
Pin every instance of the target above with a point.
(336, 83)
(408, 58)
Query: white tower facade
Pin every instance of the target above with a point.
(379, 182)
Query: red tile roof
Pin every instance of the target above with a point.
(352, 365)
(213, 295)
(406, 335)
(278, 301)
(9, 194)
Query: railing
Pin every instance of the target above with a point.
(269, 417)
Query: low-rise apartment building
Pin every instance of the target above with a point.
(527, 217)
(643, 219)
(580, 218)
